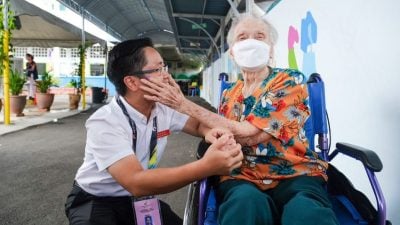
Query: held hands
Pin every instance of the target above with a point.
(223, 156)
(167, 93)
(245, 141)
(215, 133)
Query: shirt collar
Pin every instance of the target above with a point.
(136, 115)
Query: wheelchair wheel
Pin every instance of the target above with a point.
(190, 216)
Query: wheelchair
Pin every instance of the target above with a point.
(350, 206)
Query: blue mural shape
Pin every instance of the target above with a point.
(308, 38)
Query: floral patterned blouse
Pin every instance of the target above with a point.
(279, 107)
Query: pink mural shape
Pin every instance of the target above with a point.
(307, 38)
(293, 37)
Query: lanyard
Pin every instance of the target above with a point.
(153, 140)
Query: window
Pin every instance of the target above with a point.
(63, 53)
(96, 69)
(20, 52)
(41, 68)
(96, 52)
(39, 52)
(74, 53)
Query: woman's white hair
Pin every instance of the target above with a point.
(271, 31)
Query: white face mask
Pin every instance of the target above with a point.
(251, 54)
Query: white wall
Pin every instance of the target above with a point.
(357, 52)
(211, 84)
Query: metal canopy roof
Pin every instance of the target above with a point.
(201, 26)
(192, 26)
(188, 17)
(42, 29)
(128, 19)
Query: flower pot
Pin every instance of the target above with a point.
(74, 100)
(17, 104)
(44, 101)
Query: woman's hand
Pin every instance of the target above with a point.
(167, 93)
(261, 137)
(223, 156)
(213, 134)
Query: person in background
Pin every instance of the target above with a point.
(32, 75)
(281, 181)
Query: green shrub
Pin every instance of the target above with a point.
(46, 82)
(17, 82)
(76, 84)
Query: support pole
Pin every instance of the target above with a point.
(83, 59)
(233, 8)
(223, 58)
(249, 6)
(6, 66)
(105, 67)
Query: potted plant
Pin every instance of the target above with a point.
(44, 99)
(17, 101)
(75, 98)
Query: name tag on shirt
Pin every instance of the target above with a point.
(163, 133)
(147, 211)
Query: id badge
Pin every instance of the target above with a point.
(147, 211)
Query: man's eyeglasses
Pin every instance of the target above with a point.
(159, 70)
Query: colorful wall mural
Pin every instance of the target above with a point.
(307, 39)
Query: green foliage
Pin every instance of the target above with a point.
(17, 82)
(82, 55)
(182, 77)
(194, 78)
(11, 26)
(46, 82)
(76, 84)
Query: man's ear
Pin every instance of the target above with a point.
(132, 83)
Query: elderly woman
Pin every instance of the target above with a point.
(281, 180)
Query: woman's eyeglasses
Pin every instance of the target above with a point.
(159, 70)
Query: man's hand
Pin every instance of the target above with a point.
(168, 93)
(223, 156)
(213, 134)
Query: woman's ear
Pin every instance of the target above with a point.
(230, 53)
(132, 83)
(271, 60)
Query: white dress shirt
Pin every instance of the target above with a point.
(109, 139)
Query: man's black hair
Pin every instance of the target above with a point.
(124, 59)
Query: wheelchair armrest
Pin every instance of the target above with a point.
(368, 157)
